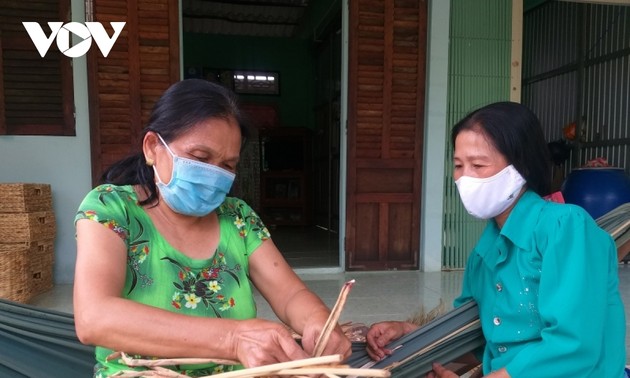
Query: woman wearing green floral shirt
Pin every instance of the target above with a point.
(166, 261)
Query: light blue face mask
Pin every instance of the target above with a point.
(196, 188)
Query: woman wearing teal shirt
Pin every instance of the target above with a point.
(543, 274)
(166, 263)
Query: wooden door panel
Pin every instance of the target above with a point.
(367, 231)
(387, 50)
(399, 229)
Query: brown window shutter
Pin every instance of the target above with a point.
(36, 93)
(125, 85)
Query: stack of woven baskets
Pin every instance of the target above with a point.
(27, 235)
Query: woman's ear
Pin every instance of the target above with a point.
(149, 144)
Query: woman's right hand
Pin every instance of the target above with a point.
(259, 342)
(381, 334)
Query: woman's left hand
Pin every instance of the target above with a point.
(337, 344)
(501, 373)
(440, 371)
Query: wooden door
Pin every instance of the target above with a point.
(387, 44)
(124, 86)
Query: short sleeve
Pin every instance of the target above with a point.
(106, 204)
(247, 223)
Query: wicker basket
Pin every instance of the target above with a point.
(26, 227)
(27, 269)
(39, 266)
(13, 283)
(25, 198)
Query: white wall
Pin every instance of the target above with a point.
(63, 162)
(432, 212)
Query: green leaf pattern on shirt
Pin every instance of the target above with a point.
(203, 287)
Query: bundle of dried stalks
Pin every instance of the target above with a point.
(328, 366)
(421, 317)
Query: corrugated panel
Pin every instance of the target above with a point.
(567, 81)
(548, 44)
(479, 73)
(552, 101)
(266, 18)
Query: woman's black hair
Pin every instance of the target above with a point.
(515, 132)
(182, 106)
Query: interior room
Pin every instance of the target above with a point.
(288, 54)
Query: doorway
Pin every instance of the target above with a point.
(301, 41)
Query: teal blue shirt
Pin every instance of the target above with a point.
(547, 289)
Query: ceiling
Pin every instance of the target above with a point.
(269, 18)
(257, 18)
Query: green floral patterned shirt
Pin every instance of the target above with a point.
(160, 276)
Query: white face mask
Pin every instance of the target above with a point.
(488, 197)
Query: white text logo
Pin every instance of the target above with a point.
(62, 32)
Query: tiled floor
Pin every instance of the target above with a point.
(307, 247)
(375, 296)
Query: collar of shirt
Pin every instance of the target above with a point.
(516, 230)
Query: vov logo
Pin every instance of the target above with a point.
(87, 32)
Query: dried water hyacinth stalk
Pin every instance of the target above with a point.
(421, 317)
(308, 366)
(326, 365)
(136, 362)
(333, 319)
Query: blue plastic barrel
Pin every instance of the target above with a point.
(598, 190)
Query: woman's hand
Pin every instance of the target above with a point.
(501, 373)
(258, 342)
(440, 371)
(294, 303)
(381, 334)
(338, 343)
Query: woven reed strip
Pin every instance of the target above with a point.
(437, 342)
